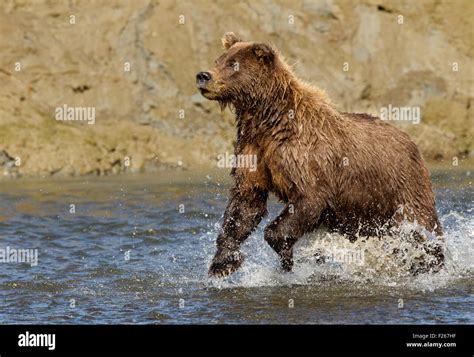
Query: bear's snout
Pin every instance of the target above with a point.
(202, 78)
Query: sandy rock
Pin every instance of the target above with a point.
(135, 62)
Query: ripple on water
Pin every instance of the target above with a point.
(82, 256)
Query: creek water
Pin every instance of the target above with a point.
(136, 248)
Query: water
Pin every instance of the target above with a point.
(128, 255)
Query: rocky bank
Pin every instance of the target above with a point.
(135, 63)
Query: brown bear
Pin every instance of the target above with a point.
(352, 173)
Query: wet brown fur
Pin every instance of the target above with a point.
(351, 172)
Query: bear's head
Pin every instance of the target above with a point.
(243, 72)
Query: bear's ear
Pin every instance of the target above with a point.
(229, 39)
(263, 52)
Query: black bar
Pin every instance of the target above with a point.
(243, 338)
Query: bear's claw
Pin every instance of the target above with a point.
(225, 263)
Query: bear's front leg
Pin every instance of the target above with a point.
(245, 210)
(295, 220)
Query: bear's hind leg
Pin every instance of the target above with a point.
(431, 259)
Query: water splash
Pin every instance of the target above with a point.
(365, 261)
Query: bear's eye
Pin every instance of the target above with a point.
(231, 64)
